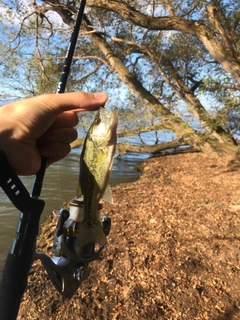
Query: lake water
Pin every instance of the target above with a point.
(60, 185)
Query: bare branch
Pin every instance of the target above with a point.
(37, 47)
(91, 72)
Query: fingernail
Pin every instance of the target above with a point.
(101, 96)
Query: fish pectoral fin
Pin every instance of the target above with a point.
(91, 233)
(107, 196)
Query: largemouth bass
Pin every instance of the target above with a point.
(95, 165)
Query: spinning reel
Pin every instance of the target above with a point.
(69, 267)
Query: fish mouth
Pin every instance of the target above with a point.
(110, 117)
(115, 116)
(114, 123)
(107, 112)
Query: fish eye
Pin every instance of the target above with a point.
(97, 121)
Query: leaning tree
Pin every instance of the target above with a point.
(163, 58)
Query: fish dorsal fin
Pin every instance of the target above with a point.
(107, 196)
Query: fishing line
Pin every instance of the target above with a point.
(59, 185)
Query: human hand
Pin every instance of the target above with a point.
(42, 126)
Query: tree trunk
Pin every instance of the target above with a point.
(187, 95)
(168, 119)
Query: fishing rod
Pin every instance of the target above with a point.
(61, 89)
(70, 267)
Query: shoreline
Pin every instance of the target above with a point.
(173, 251)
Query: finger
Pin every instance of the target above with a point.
(62, 135)
(54, 151)
(66, 119)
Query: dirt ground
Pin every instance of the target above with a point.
(173, 251)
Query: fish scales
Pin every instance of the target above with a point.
(95, 166)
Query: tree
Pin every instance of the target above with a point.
(169, 54)
(216, 26)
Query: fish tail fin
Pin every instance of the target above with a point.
(91, 231)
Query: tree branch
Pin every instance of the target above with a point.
(202, 31)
